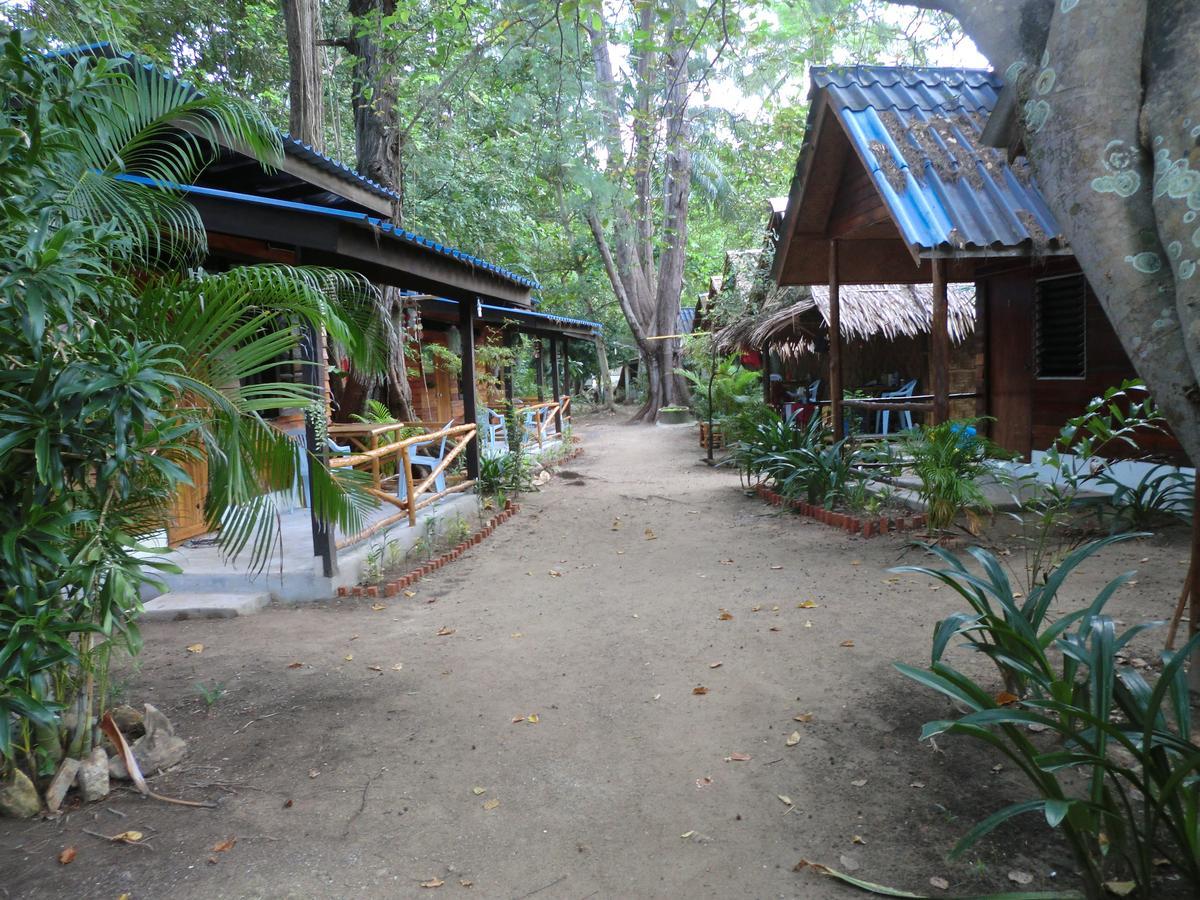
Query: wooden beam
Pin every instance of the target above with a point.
(538, 371)
(766, 372)
(835, 345)
(556, 383)
(324, 542)
(467, 327)
(940, 344)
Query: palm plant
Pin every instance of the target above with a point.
(118, 362)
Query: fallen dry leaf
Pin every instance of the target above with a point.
(465, 882)
(410, 593)
(703, 782)
(127, 837)
(1004, 698)
(225, 845)
(288, 804)
(808, 623)
(516, 719)
(313, 773)
(375, 668)
(1120, 888)
(802, 717)
(774, 628)
(784, 798)
(478, 790)
(532, 718)
(725, 615)
(349, 657)
(917, 784)
(776, 568)
(378, 607)
(793, 739)
(806, 604)
(516, 634)
(774, 609)
(432, 883)
(686, 835)
(856, 562)
(67, 856)
(296, 665)
(700, 690)
(715, 665)
(859, 782)
(940, 883)
(554, 573)
(858, 839)
(755, 608)
(650, 535)
(489, 805)
(727, 562)
(195, 648)
(445, 632)
(847, 643)
(1016, 875)
(397, 667)
(738, 757)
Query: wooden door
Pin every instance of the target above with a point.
(187, 512)
(444, 392)
(1009, 310)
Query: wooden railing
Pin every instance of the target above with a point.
(371, 456)
(546, 414)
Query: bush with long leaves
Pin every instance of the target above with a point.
(1138, 802)
(119, 361)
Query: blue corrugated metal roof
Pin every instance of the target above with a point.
(338, 169)
(528, 313)
(687, 320)
(310, 209)
(918, 132)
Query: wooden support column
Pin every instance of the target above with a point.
(835, 346)
(766, 372)
(538, 374)
(324, 541)
(556, 383)
(466, 325)
(566, 368)
(940, 344)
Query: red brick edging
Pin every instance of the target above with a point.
(392, 588)
(852, 524)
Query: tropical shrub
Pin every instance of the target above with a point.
(948, 459)
(121, 361)
(1163, 493)
(1138, 803)
(724, 389)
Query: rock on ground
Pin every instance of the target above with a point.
(61, 783)
(93, 776)
(19, 798)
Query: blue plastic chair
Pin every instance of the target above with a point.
(882, 418)
(420, 459)
(493, 433)
(299, 437)
(814, 390)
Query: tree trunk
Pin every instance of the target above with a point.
(606, 391)
(378, 156)
(306, 107)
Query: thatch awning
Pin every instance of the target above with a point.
(887, 311)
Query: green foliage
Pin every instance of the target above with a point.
(801, 462)
(119, 366)
(731, 387)
(948, 459)
(1162, 493)
(1139, 797)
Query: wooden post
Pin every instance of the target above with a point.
(566, 368)
(406, 474)
(556, 383)
(766, 372)
(940, 344)
(538, 374)
(324, 543)
(466, 324)
(510, 341)
(835, 346)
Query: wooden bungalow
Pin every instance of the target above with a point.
(314, 210)
(894, 185)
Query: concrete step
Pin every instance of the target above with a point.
(201, 605)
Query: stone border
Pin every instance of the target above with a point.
(392, 588)
(852, 524)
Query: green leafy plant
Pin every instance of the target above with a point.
(1139, 798)
(1161, 494)
(210, 694)
(122, 361)
(949, 459)
(732, 388)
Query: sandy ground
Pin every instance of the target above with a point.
(597, 610)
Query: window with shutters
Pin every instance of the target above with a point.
(1060, 327)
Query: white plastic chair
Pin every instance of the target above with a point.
(904, 416)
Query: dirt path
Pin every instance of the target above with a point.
(360, 783)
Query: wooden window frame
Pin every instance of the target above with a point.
(1037, 327)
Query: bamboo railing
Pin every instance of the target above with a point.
(546, 416)
(370, 456)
